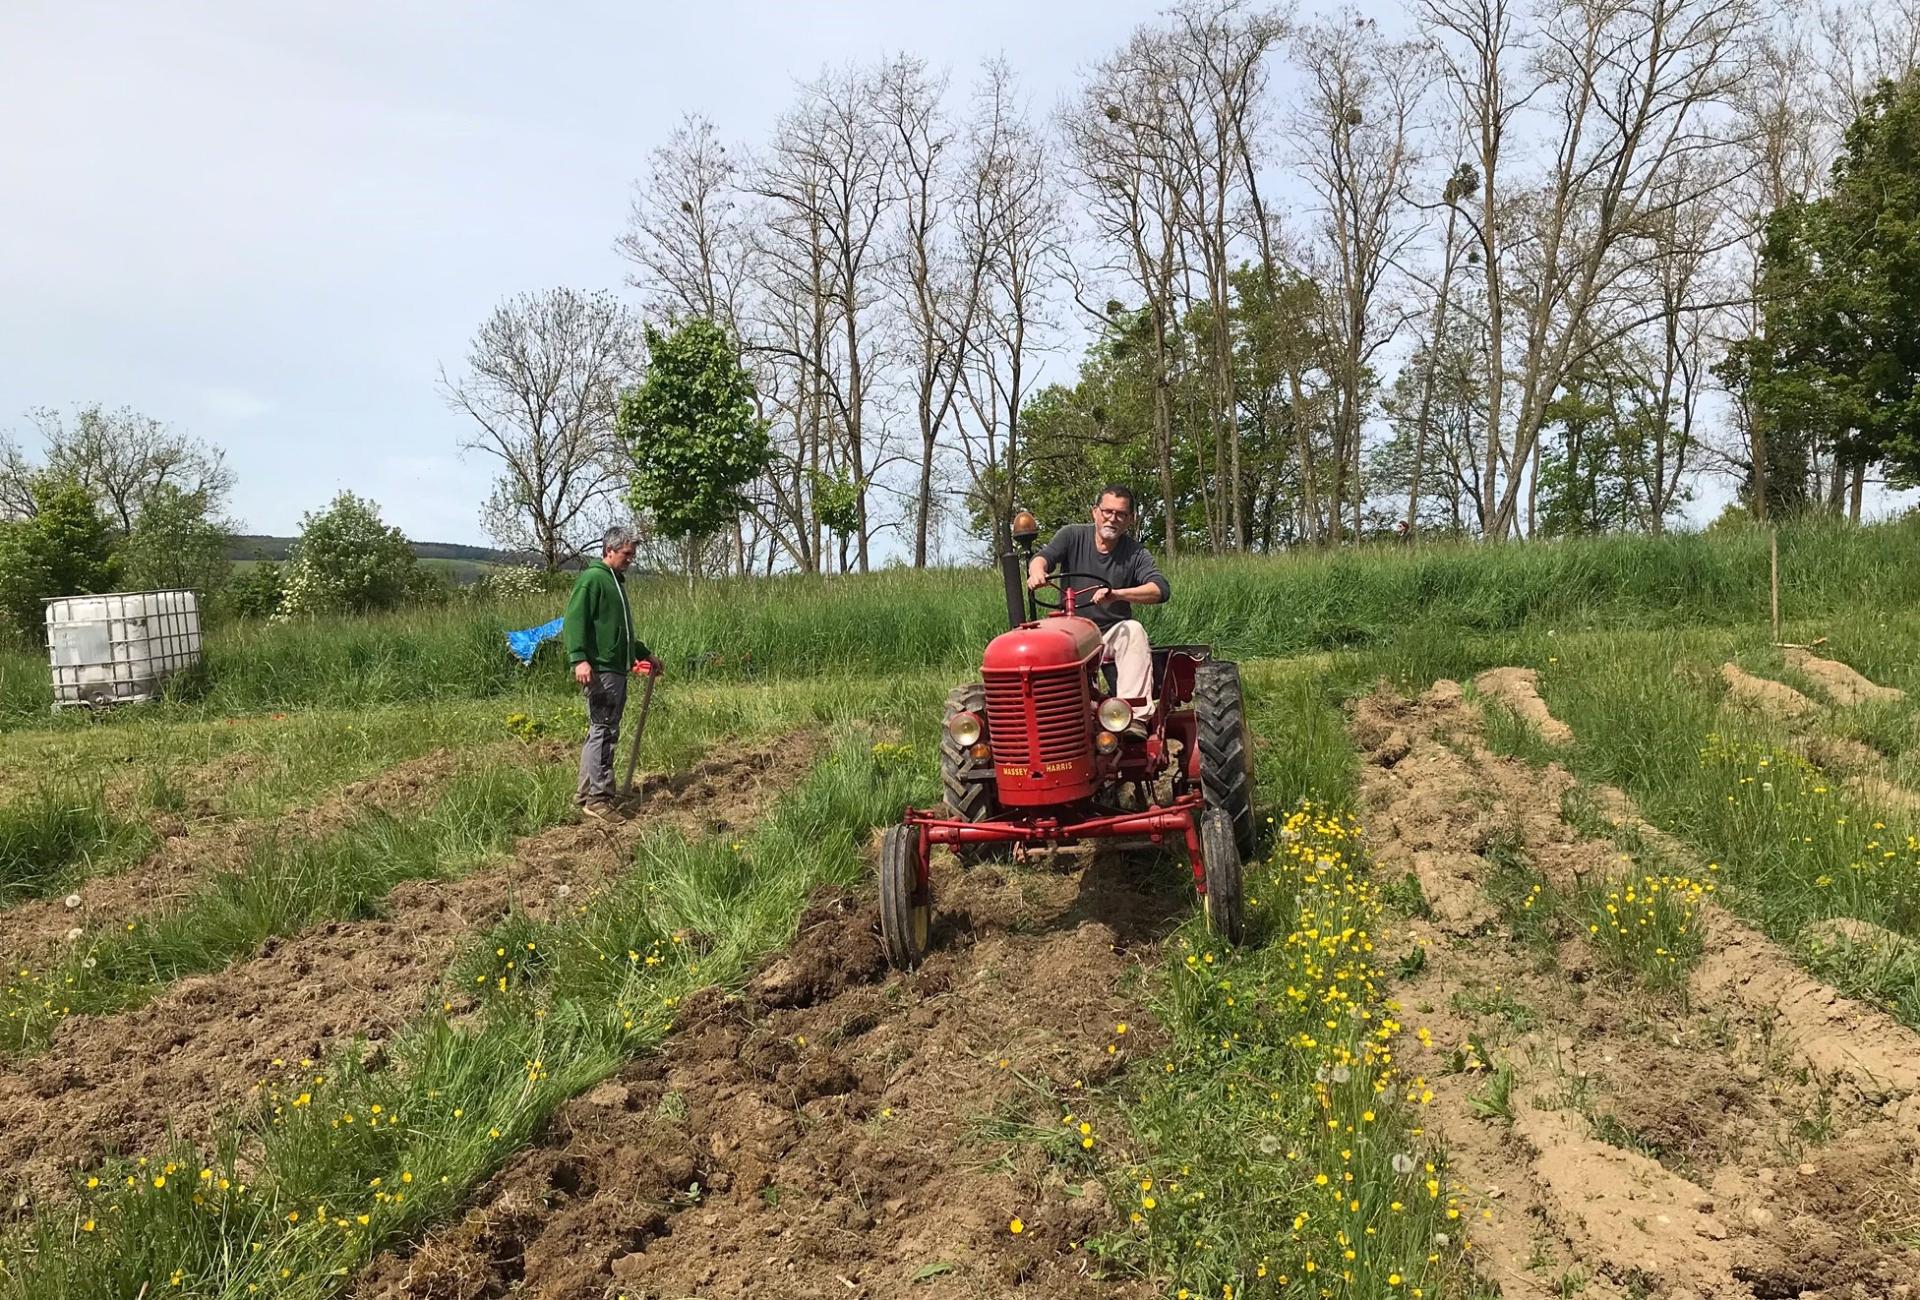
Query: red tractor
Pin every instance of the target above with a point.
(1038, 753)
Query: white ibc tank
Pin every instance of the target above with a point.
(119, 647)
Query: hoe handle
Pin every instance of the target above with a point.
(639, 730)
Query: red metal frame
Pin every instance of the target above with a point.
(1181, 817)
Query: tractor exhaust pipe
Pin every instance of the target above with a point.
(1016, 589)
(1024, 529)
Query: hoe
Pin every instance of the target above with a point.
(1037, 754)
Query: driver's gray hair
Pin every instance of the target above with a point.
(616, 537)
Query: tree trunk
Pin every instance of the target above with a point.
(1858, 491)
(1426, 380)
(923, 513)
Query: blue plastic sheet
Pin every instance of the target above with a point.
(524, 643)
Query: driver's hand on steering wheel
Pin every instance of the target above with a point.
(1101, 596)
(1034, 584)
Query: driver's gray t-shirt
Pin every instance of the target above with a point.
(1074, 550)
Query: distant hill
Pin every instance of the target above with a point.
(256, 546)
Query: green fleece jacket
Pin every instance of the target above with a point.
(598, 627)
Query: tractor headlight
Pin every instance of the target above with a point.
(1116, 714)
(964, 728)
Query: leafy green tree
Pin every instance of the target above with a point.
(1836, 363)
(65, 549)
(177, 543)
(347, 561)
(693, 431)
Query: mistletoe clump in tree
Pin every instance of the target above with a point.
(694, 434)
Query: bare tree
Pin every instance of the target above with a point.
(1116, 132)
(121, 457)
(1354, 133)
(837, 143)
(541, 385)
(1215, 54)
(684, 233)
(16, 481)
(1636, 90)
(1012, 227)
(938, 279)
(1478, 44)
(1460, 184)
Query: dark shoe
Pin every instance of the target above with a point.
(602, 811)
(1136, 730)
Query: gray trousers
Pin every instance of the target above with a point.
(606, 700)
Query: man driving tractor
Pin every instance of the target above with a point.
(1105, 548)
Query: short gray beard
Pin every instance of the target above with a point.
(1109, 532)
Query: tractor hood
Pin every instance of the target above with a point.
(1059, 641)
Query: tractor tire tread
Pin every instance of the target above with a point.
(1226, 762)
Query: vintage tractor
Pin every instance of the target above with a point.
(1037, 753)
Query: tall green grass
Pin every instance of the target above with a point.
(902, 619)
(55, 834)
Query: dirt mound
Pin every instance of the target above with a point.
(119, 1083)
(1839, 681)
(1634, 1142)
(1519, 690)
(839, 1121)
(1766, 697)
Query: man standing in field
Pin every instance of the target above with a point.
(598, 634)
(1129, 577)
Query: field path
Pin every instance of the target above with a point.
(836, 1116)
(1754, 1140)
(120, 1083)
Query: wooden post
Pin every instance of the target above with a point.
(1773, 548)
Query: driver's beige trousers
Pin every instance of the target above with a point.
(1132, 658)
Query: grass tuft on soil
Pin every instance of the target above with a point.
(57, 834)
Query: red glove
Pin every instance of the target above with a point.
(646, 668)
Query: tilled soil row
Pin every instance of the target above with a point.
(192, 851)
(825, 1132)
(119, 1084)
(1754, 1139)
(1864, 769)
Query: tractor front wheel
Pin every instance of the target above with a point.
(906, 908)
(966, 782)
(1224, 903)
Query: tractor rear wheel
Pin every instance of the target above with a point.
(906, 910)
(966, 782)
(1223, 902)
(1226, 747)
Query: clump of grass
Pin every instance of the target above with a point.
(1649, 926)
(1532, 909)
(347, 1156)
(57, 833)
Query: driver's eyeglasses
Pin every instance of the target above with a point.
(1106, 513)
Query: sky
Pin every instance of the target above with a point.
(270, 225)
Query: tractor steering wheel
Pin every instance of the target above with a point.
(1055, 580)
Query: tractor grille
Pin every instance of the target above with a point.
(1059, 712)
